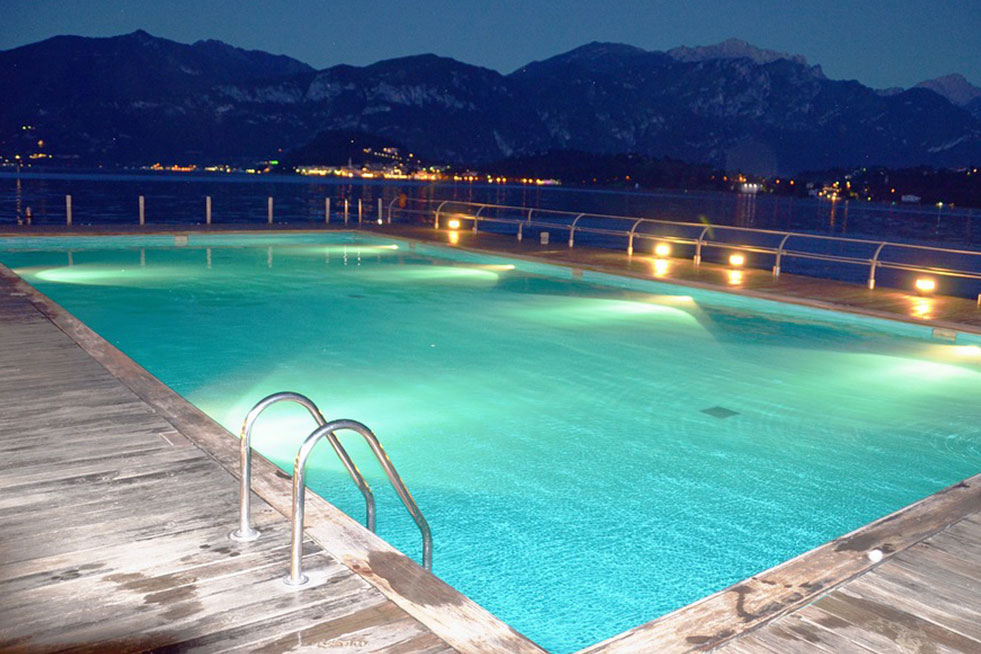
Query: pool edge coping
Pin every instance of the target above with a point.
(351, 544)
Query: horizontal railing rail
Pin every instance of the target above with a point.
(782, 245)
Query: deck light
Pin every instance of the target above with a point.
(925, 285)
(662, 249)
(736, 260)
(453, 223)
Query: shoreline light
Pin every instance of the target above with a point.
(662, 249)
(925, 285)
(737, 259)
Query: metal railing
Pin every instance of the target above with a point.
(296, 577)
(245, 531)
(700, 236)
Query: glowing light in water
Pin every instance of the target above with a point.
(966, 351)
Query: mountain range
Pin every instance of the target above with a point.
(136, 99)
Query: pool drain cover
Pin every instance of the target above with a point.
(720, 412)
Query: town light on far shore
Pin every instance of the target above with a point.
(453, 223)
(662, 249)
(736, 260)
(925, 285)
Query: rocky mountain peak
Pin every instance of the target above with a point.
(954, 87)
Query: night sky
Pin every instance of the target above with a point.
(881, 43)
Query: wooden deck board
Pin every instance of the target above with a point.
(926, 599)
(114, 528)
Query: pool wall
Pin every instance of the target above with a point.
(468, 627)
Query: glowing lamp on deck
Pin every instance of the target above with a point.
(736, 260)
(925, 285)
(453, 223)
(662, 249)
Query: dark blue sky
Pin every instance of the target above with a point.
(881, 43)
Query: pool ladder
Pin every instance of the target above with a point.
(325, 429)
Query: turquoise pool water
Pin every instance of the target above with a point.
(591, 453)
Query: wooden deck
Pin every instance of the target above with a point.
(924, 600)
(113, 528)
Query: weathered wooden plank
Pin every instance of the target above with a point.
(88, 466)
(172, 552)
(176, 608)
(930, 603)
(881, 627)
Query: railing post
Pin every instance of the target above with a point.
(207, 210)
(572, 230)
(520, 225)
(874, 263)
(394, 200)
(476, 217)
(380, 216)
(269, 210)
(438, 209)
(360, 211)
(698, 247)
(347, 209)
(776, 264)
(142, 210)
(326, 210)
(68, 210)
(630, 239)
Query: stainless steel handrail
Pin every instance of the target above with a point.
(245, 531)
(438, 209)
(296, 577)
(780, 252)
(572, 230)
(476, 217)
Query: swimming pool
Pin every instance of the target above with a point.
(590, 452)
